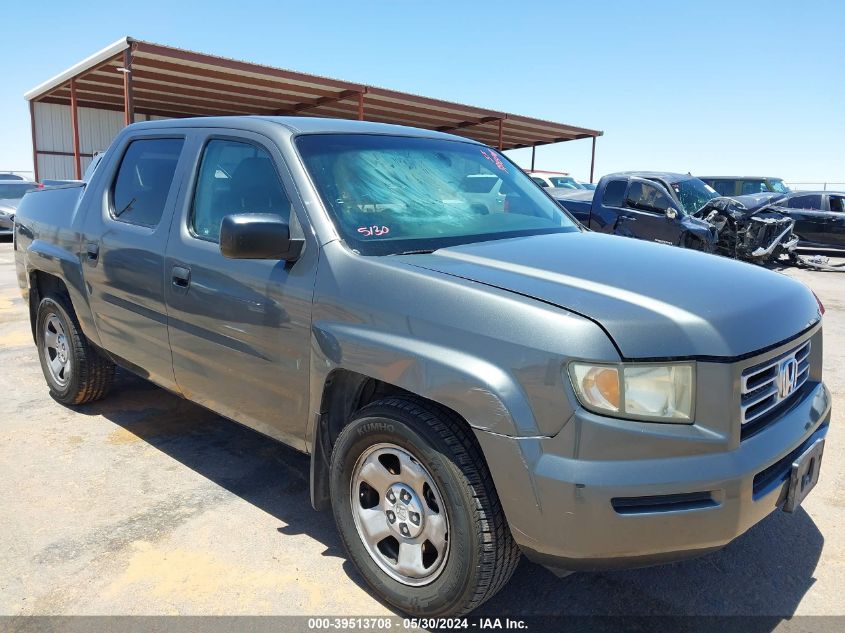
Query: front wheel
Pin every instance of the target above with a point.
(416, 508)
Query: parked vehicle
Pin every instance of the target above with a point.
(746, 185)
(588, 185)
(11, 192)
(554, 179)
(485, 192)
(10, 176)
(469, 385)
(819, 217)
(681, 210)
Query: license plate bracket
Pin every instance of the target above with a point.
(803, 476)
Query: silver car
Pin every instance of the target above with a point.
(11, 192)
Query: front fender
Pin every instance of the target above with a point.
(700, 230)
(487, 397)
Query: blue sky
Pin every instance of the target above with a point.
(710, 87)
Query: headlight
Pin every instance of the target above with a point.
(646, 391)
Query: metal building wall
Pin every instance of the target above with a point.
(54, 137)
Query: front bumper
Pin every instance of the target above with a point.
(572, 514)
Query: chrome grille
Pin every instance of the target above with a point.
(761, 384)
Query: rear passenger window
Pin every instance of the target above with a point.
(837, 203)
(235, 177)
(753, 186)
(143, 180)
(614, 193)
(723, 187)
(805, 202)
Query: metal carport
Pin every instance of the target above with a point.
(79, 111)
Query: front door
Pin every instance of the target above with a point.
(240, 330)
(645, 213)
(125, 238)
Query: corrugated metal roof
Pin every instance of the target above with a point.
(173, 82)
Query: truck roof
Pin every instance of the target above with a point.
(297, 124)
(740, 177)
(668, 176)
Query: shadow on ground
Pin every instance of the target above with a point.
(765, 572)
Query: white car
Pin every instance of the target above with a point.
(484, 190)
(555, 179)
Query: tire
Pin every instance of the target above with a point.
(85, 374)
(695, 244)
(434, 452)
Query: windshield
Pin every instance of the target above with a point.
(693, 194)
(565, 182)
(396, 194)
(777, 186)
(14, 190)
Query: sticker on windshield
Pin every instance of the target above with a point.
(370, 231)
(493, 158)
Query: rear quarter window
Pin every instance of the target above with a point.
(614, 193)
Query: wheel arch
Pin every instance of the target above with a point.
(345, 392)
(50, 268)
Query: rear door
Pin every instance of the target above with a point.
(810, 221)
(835, 229)
(124, 244)
(240, 330)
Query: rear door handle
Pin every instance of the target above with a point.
(181, 276)
(92, 249)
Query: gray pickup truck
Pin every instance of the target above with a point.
(472, 381)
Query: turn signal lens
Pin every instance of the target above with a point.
(819, 301)
(597, 385)
(642, 391)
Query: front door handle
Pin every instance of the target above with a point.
(181, 276)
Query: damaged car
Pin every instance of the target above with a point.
(680, 210)
(750, 228)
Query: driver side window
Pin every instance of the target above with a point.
(647, 197)
(235, 177)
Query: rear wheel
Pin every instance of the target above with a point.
(76, 372)
(416, 508)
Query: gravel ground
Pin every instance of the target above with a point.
(146, 504)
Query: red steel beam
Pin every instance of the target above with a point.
(501, 135)
(316, 103)
(74, 126)
(128, 103)
(463, 124)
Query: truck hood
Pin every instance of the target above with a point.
(654, 301)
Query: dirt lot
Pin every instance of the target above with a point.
(147, 504)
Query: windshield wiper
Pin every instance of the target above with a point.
(422, 251)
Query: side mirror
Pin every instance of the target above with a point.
(258, 236)
(671, 213)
